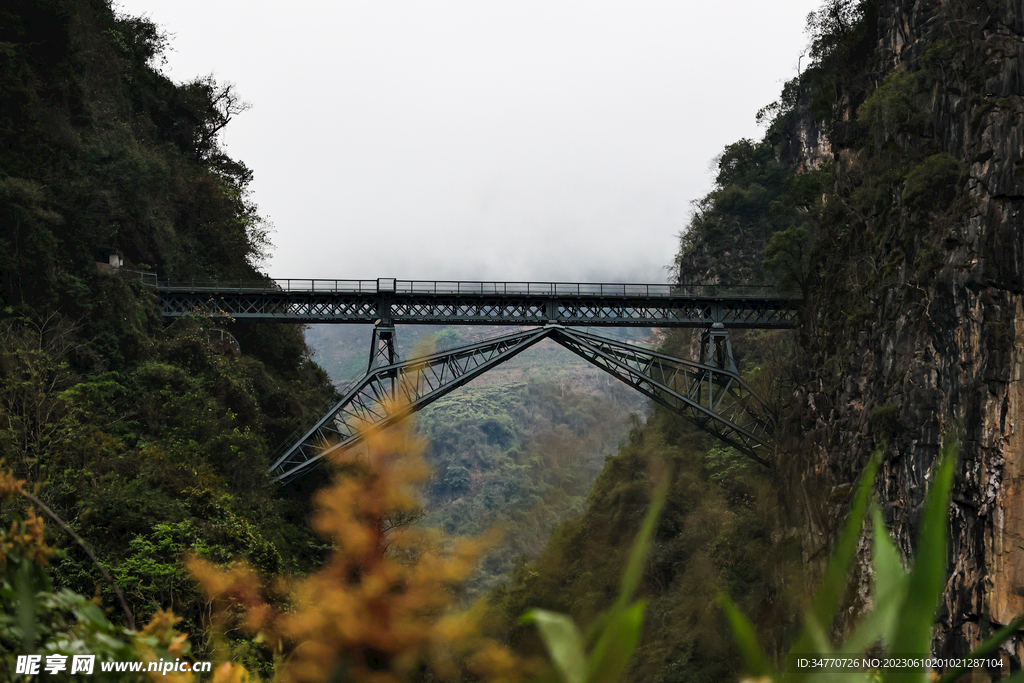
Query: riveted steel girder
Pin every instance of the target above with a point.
(713, 397)
(524, 304)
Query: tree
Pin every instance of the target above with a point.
(789, 256)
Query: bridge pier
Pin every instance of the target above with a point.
(716, 349)
(382, 346)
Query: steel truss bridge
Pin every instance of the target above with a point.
(709, 393)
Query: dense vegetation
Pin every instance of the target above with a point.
(518, 449)
(718, 531)
(147, 440)
(518, 458)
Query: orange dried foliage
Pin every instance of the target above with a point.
(227, 672)
(26, 537)
(9, 485)
(25, 540)
(381, 607)
(160, 631)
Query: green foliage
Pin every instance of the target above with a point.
(711, 536)
(932, 184)
(718, 531)
(789, 256)
(905, 603)
(884, 421)
(726, 466)
(106, 151)
(144, 438)
(842, 41)
(730, 225)
(152, 573)
(615, 634)
(831, 26)
(520, 457)
(36, 619)
(895, 106)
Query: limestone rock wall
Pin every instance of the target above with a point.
(936, 352)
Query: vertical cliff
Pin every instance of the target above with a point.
(915, 315)
(889, 190)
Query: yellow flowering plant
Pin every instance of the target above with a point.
(381, 608)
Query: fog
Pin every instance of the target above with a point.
(464, 139)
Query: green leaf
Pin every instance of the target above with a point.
(563, 641)
(745, 637)
(27, 605)
(889, 592)
(615, 632)
(928, 577)
(91, 614)
(990, 645)
(638, 555)
(616, 645)
(890, 576)
(826, 600)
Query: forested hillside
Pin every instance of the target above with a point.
(147, 440)
(516, 450)
(913, 328)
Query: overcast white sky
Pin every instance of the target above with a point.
(483, 139)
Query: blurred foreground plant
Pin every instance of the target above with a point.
(36, 620)
(904, 604)
(379, 610)
(603, 652)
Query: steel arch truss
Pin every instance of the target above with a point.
(713, 397)
(389, 393)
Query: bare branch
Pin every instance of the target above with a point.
(88, 551)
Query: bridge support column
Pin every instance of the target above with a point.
(716, 349)
(382, 347)
(711, 395)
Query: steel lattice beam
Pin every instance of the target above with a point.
(512, 304)
(714, 398)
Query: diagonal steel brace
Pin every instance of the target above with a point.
(713, 397)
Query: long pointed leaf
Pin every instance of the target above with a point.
(743, 633)
(888, 592)
(826, 600)
(928, 576)
(890, 576)
(27, 606)
(563, 641)
(616, 645)
(638, 555)
(990, 645)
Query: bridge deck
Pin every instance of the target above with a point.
(483, 303)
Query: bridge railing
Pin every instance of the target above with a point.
(313, 285)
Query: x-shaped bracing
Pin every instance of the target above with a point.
(711, 395)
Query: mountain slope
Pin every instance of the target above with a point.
(149, 440)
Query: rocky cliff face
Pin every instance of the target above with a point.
(917, 323)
